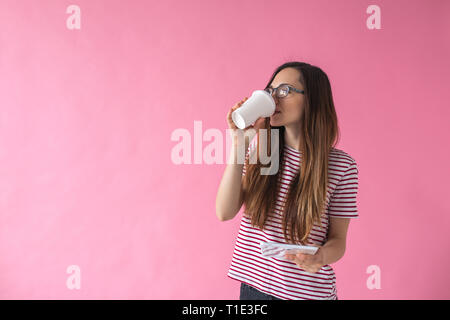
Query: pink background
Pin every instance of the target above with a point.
(86, 116)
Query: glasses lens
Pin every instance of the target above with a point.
(269, 90)
(283, 91)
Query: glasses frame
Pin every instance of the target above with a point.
(276, 90)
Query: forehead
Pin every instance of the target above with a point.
(289, 76)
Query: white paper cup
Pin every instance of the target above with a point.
(260, 104)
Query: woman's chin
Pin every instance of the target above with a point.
(275, 122)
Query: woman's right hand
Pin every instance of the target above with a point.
(259, 123)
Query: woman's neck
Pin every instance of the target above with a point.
(292, 136)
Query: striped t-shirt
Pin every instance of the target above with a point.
(281, 278)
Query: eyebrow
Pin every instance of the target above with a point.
(282, 84)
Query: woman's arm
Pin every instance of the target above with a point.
(229, 195)
(334, 249)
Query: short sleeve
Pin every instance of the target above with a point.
(343, 200)
(250, 148)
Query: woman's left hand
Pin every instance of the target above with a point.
(308, 262)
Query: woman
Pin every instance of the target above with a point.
(309, 201)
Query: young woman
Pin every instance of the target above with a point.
(310, 200)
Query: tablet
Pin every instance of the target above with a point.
(278, 250)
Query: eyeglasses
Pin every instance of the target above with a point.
(283, 90)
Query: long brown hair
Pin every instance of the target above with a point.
(306, 197)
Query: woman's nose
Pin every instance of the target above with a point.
(274, 96)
